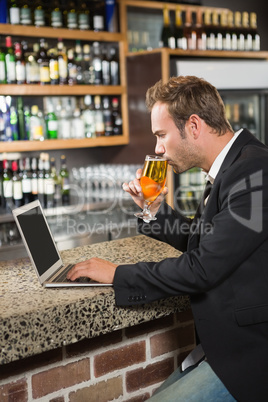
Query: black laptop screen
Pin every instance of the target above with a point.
(38, 239)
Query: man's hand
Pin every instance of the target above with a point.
(134, 189)
(95, 268)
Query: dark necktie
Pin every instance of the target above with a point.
(203, 200)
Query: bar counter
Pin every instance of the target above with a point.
(35, 320)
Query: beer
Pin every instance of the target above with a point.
(153, 177)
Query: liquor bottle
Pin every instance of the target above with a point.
(64, 122)
(189, 30)
(32, 66)
(105, 66)
(117, 118)
(208, 28)
(36, 124)
(40, 181)
(227, 40)
(39, 13)
(54, 175)
(201, 37)
(232, 30)
(77, 127)
(27, 181)
(255, 35)
(14, 12)
(64, 179)
(16, 185)
(14, 123)
(96, 63)
(239, 32)
(215, 35)
(10, 62)
(88, 116)
(114, 67)
(246, 32)
(167, 38)
(226, 37)
(53, 66)
(71, 21)
(26, 13)
(180, 39)
(56, 18)
(43, 61)
(21, 119)
(72, 67)
(2, 118)
(108, 117)
(49, 185)
(27, 119)
(78, 62)
(99, 118)
(83, 16)
(51, 122)
(87, 66)
(19, 64)
(111, 22)
(63, 61)
(2, 66)
(7, 185)
(34, 179)
(98, 15)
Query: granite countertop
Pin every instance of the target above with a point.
(34, 319)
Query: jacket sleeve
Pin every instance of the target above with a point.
(234, 234)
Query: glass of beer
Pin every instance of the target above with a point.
(152, 182)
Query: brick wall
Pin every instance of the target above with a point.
(126, 365)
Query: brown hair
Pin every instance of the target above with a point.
(189, 95)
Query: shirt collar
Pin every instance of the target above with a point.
(216, 165)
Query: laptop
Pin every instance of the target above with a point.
(42, 249)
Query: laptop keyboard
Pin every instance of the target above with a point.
(62, 277)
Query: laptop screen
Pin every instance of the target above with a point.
(38, 238)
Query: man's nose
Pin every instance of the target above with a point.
(159, 149)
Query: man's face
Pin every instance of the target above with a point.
(181, 153)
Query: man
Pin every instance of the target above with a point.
(224, 265)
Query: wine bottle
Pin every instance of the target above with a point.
(87, 66)
(167, 38)
(99, 118)
(255, 35)
(54, 175)
(215, 35)
(98, 15)
(40, 181)
(246, 31)
(63, 63)
(53, 66)
(26, 13)
(51, 122)
(72, 67)
(97, 63)
(10, 62)
(208, 28)
(49, 185)
(16, 185)
(239, 32)
(88, 116)
(21, 119)
(32, 66)
(64, 179)
(232, 30)
(7, 185)
(27, 181)
(43, 61)
(83, 16)
(108, 117)
(180, 40)
(34, 179)
(56, 18)
(189, 30)
(19, 64)
(2, 66)
(224, 30)
(105, 66)
(14, 123)
(77, 127)
(201, 37)
(78, 62)
(39, 13)
(71, 22)
(36, 124)
(227, 40)
(114, 67)
(117, 118)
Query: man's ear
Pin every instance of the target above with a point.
(194, 125)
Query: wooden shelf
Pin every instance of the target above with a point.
(29, 146)
(60, 90)
(159, 5)
(205, 53)
(63, 33)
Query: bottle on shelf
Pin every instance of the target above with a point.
(180, 39)
(190, 30)
(107, 117)
(78, 62)
(71, 21)
(114, 67)
(10, 62)
(63, 63)
(14, 12)
(2, 66)
(32, 66)
(16, 185)
(39, 14)
(201, 37)
(98, 15)
(77, 127)
(49, 184)
(72, 67)
(83, 16)
(37, 126)
(105, 66)
(167, 38)
(87, 66)
(232, 30)
(254, 32)
(56, 17)
(43, 61)
(51, 122)
(7, 192)
(239, 32)
(97, 63)
(27, 119)
(27, 181)
(88, 116)
(54, 175)
(21, 119)
(34, 179)
(246, 32)
(19, 64)
(215, 35)
(251, 122)
(111, 23)
(53, 66)
(99, 118)
(117, 118)
(14, 123)
(26, 13)
(236, 117)
(64, 180)
(226, 36)
(40, 180)
(64, 122)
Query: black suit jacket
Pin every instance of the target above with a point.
(224, 269)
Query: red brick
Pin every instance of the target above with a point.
(30, 363)
(101, 392)
(60, 377)
(151, 374)
(89, 345)
(171, 340)
(149, 326)
(116, 359)
(14, 391)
